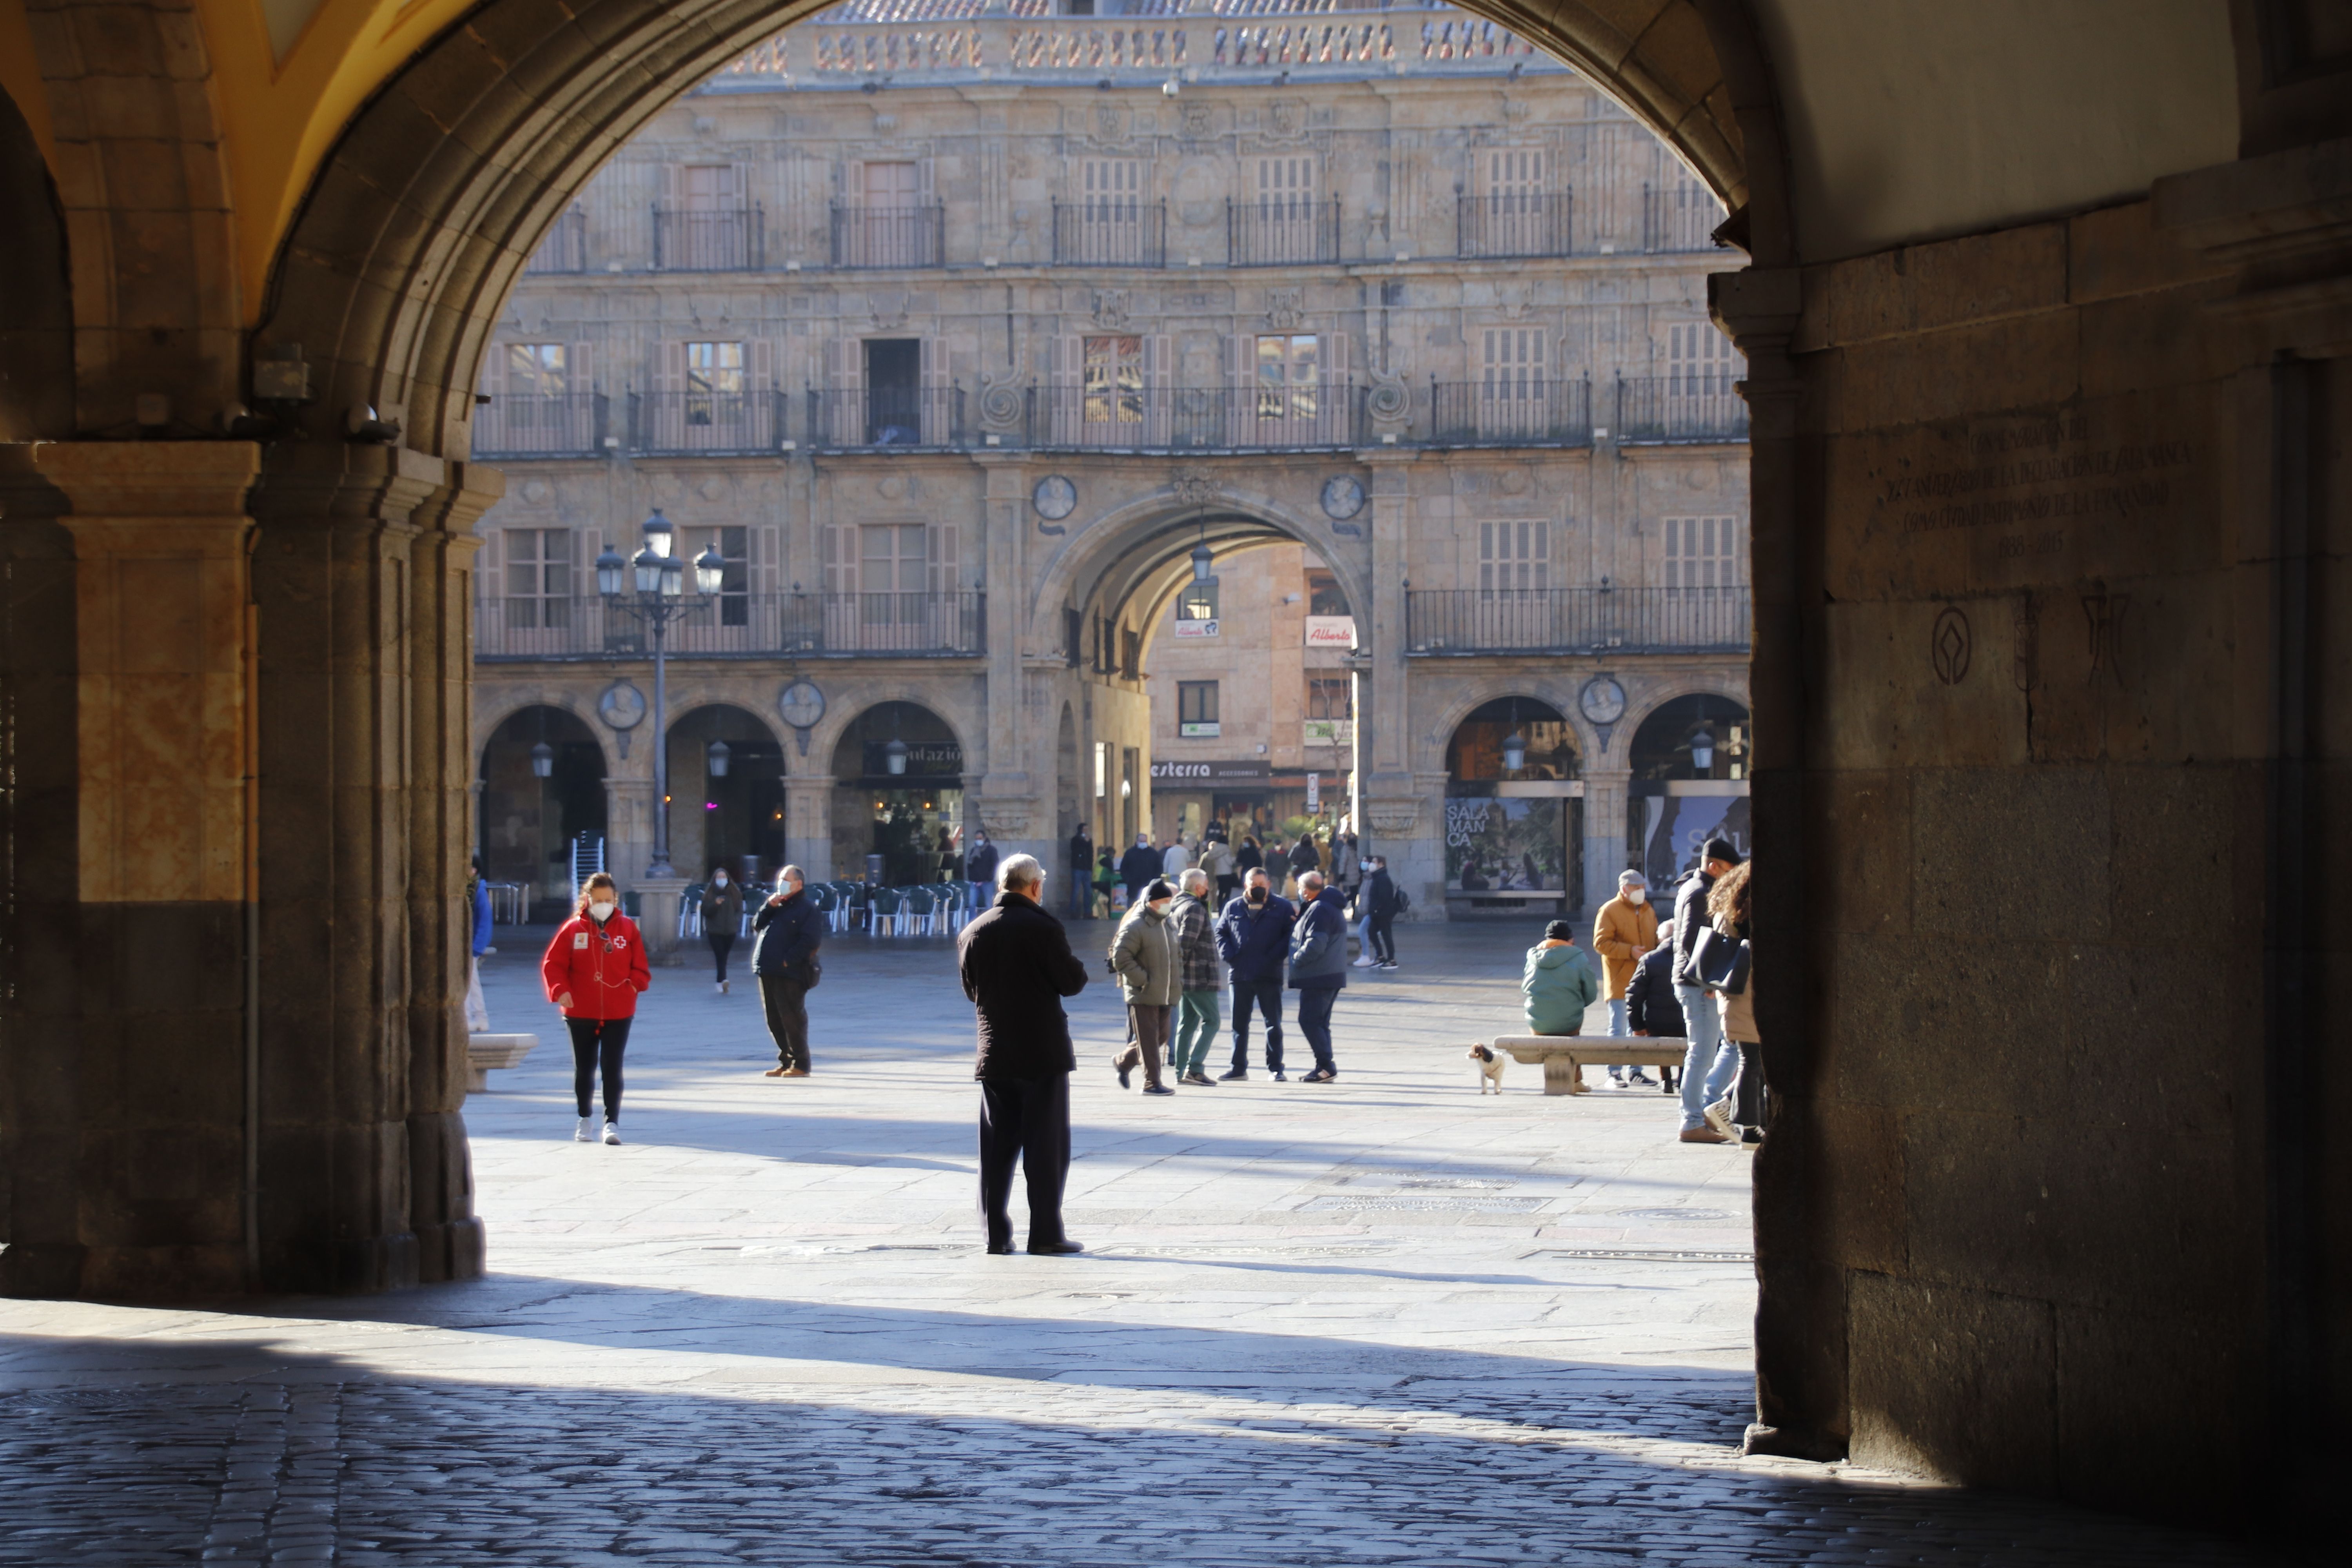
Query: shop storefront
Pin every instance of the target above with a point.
(1513, 813)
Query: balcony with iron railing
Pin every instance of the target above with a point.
(842, 418)
(1466, 621)
(1110, 231)
(1688, 406)
(1188, 419)
(1679, 217)
(740, 625)
(731, 239)
(1507, 224)
(895, 237)
(565, 248)
(550, 425)
(1501, 411)
(709, 423)
(1282, 231)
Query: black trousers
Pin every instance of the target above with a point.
(722, 942)
(1384, 940)
(1227, 886)
(598, 1043)
(1267, 996)
(1747, 1111)
(784, 998)
(1027, 1119)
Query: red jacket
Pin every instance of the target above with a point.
(602, 971)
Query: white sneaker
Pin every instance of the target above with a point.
(612, 1133)
(586, 1131)
(1719, 1116)
(1361, 964)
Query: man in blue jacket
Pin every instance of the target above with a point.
(1252, 937)
(1319, 967)
(785, 935)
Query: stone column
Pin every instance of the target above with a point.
(808, 826)
(356, 586)
(126, 1134)
(1605, 793)
(1005, 800)
(1395, 825)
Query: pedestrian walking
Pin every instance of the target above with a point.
(1347, 864)
(1138, 868)
(1382, 901)
(1197, 978)
(1624, 928)
(1318, 968)
(478, 905)
(1651, 1008)
(1304, 858)
(1249, 856)
(1743, 1108)
(785, 934)
(1143, 956)
(979, 871)
(722, 917)
(1175, 861)
(1082, 872)
(1016, 965)
(949, 861)
(1254, 938)
(1557, 984)
(1106, 877)
(1709, 1062)
(1217, 861)
(594, 971)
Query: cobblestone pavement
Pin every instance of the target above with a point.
(1382, 1320)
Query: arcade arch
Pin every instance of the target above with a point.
(727, 792)
(542, 791)
(1513, 810)
(899, 797)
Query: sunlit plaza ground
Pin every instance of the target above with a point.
(1382, 1320)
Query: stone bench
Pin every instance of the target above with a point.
(1565, 1057)
(484, 1052)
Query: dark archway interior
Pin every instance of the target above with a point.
(36, 355)
(1475, 755)
(529, 823)
(739, 813)
(903, 827)
(1662, 746)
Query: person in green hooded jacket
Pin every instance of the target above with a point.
(1558, 983)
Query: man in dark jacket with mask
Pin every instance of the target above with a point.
(1254, 938)
(785, 934)
(1016, 966)
(1140, 867)
(1318, 968)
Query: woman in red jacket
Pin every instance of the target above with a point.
(593, 971)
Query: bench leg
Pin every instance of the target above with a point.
(1563, 1075)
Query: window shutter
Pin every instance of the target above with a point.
(1065, 393)
(1241, 387)
(761, 418)
(1158, 390)
(664, 229)
(845, 377)
(934, 421)
(1338, 402)
(942, 543)
(579, 368)
(837, 546)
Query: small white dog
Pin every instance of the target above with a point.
(1490, 1067)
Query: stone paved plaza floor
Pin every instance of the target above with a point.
(1385, 1320)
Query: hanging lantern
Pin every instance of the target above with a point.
(648, 565)
(1702, 748)
(542, 760)
(719, 758)
(894, 757)
(709, 571)
(660, 534)
(1201, 562)
(612, 573)
(673, 577)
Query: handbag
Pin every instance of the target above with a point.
(815, 972)
(1721, 962)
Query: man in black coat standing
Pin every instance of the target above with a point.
(1140, 867)
(1082, 872)
(1016, 966)
(786, 933)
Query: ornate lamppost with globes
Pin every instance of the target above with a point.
(660, 598)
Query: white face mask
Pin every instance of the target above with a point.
(1637, 895)
(601, 910)
(719, 880)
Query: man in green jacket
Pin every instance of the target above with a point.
(1559, 982)
(1143, 956)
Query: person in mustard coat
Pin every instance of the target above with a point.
(1626, 929)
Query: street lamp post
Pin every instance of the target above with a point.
(660, 598)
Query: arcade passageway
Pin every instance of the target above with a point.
(1386, 1321)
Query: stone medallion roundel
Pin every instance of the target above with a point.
(801, 705)
(622, 706)
(1343, 497)
(1054, 497)
(1602, 701)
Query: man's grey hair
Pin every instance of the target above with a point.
(1314, 876)
(1666, 930)
(790, 874)
(1257, 874)
(1630, 878)
(1195, 880)
(1017, 871)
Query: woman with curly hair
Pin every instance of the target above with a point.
(1726, 909)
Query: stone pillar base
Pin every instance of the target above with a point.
(657, 901)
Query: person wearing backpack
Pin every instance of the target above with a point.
(786, 933)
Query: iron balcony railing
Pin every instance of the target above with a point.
(726, 240)
(1678, 217)
(1110, 231)
(1279, 231)
(886, 416)
(1688, 405)
(1152, 419)
(740, 625)
(1503, 411)
(565, 248)
(1576, 620)
(890, 236)
(712, 422)
(1515, 222)
(560, 424)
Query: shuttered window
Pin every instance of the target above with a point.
(538, 578)
(1513, 556)
(1113, 381)
(1703, 552)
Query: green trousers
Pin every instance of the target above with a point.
(1196, 1022)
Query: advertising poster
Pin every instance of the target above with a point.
(1678, 827)
(1506, 846)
